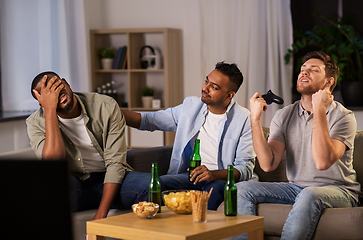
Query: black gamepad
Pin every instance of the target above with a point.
(270, 97)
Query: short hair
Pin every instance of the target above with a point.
(232, 72)
(331, 67)
(39, 77)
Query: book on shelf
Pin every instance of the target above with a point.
(125, 64)
(123, 56)
(118, 58)
(124, 61)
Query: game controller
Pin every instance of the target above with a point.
(270, 97)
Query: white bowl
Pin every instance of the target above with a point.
(145, 210)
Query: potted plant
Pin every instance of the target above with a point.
(147, 96)
(344, 45)
(106, 54)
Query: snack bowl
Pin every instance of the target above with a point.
(178, 201)
(145, 209)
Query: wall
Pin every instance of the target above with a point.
(183, 15)
(155, 14)
(143, 14)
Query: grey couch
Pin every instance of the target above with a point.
(340, 223)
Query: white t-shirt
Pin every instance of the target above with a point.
(76, 131)
(208, 136)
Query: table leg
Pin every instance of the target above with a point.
(94, 237)
(256, 235)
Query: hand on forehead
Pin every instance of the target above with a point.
(49, 77)
(46, 79)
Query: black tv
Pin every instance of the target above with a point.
(34, 200)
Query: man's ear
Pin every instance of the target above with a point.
(329, 82)
(231, 94)
(36, 93)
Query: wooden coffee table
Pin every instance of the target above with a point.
(169, 225)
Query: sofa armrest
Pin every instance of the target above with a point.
(141, 159)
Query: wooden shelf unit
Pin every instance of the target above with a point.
(167, 81)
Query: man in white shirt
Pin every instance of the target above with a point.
(222, 126)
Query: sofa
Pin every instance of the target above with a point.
(342, 223)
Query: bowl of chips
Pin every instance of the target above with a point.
(178, 201)
(145, 209)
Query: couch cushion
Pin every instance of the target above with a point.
(358, 156)
(277, 175)
(81, 218)
(274, 217)
(340, 223)
(22, 154)
(335, 223)
(141, 159)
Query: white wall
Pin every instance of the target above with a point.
(179, 14)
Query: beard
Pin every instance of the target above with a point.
(309, 89)
(68, 107)
(205, 98)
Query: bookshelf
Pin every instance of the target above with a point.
(166, 81)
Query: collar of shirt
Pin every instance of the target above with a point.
(231, 103)
(302, 111)
(84, 112)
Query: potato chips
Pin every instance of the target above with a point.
(145, 209)
(179, 202)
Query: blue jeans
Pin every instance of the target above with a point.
(87, 194)
(180, 181)
(308, 203)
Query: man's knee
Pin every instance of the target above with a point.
(244, 188)
(309, 194)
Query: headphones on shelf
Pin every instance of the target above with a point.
(147, 61)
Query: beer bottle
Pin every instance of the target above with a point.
(154, 194)
(195, 159)
(230, 194)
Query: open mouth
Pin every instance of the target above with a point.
(62, 98)
(304, 80)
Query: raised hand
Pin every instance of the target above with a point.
(322, 99)
(258, 105)
(48, 93)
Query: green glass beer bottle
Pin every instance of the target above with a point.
(154, 194)
(195, 159)
(230, 194)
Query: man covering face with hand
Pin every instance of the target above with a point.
(87, 130)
